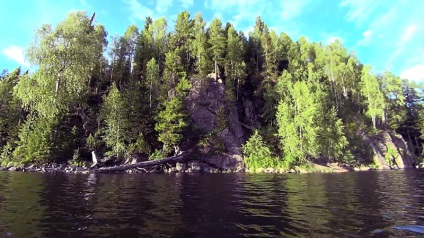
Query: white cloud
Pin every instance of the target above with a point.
(84, 3)
(248, 10)
(409, 31)
(219, 16)
(160, 9)
(359, 10)
(139, 11)
(402, 44)
(162, 6)
(367, 38)
(332, 39)
(15, 53)
(229, 4)
(415, 73)
(390, 31)
(366, 33)
(186, 3)
(291, 9)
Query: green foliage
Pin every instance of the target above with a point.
(91, 143)
(217, 41)
(10, 108)
(374, 97)
(332, 140)
(76, 159)
(392, 88)
(65, 57)
(157, 154)
(114, 114)
(152, 76)
(309, 100)
(182, 88)
(6, 155)
(171, 122)
(137, 147)
(296, 120)
(200, 46)
(257, 154)
(390, 156)
(34, 140)
(311, 168)
(234, 65)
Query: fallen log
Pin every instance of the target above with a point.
(173, 159)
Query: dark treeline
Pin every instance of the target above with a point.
(306, 100)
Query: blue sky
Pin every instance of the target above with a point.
(388, 34)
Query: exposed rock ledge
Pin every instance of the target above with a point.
(390, 150)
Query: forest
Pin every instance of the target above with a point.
(123, 95)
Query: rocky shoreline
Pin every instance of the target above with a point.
(188, 167)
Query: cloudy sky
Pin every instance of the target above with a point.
(388, 34)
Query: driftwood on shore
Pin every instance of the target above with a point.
(173, 159)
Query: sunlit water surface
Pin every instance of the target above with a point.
(358, 204)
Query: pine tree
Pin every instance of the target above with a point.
(117, 125)
(172, 121)
(35, 142)
(174, 71)
(217, 42)
(257, 154)
(255, 43)
(200, 46)
(170, 124)
(183, 38)
(235, 66)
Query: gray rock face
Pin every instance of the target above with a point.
(389, 147)
(205, 100)
(232, 162)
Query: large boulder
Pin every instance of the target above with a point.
(233, 162)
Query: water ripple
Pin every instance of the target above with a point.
(212, 205)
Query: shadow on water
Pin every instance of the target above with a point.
(211, 205)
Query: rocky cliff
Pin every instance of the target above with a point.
(390, 150)
(218, 133)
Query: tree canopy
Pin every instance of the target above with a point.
(303, 100)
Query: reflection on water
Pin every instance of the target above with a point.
(211, 205)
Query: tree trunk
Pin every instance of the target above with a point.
(173, 159)
(215, 70)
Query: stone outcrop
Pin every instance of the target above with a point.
(216, 122)
(390, 150)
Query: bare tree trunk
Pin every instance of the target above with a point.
(173, 159)
(216, 70)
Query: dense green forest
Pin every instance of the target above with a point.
(127, 94)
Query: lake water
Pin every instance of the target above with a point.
(353, 204)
